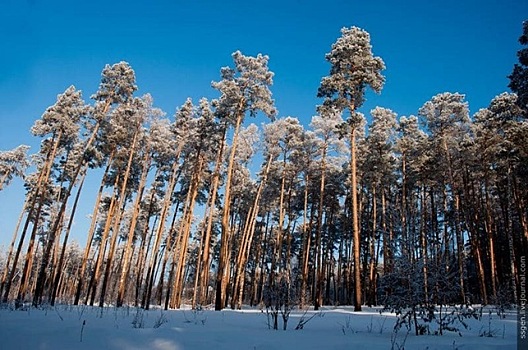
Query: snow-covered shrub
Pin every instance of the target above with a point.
(426, 305)
(280, 297)
(138, 321)
(490, 332)
(160, 320)
(303, 320)
(198, 316)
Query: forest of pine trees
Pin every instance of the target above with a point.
(348, 210)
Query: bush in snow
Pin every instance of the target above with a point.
(425, 303)
(280, 297)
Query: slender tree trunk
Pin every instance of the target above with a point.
(372, 250)
(159, 232)
(277, 248)
(249, 230)
(223, 263)
(144, 248)
(472, 218)
(133, 223)
(39, 191)
(403, 212)
(94, 280)
(355, 223)
(388, 253)
(169, 251)
(54, 231)
(117, 220)
(520, 207)
(491, 242)
(306, 246)
(186, 229)
(91, 233)
(423, 244)
(509, 233)
(204, 269)
(319, 274)
(458, 233)
(60, 264)
(11, 249)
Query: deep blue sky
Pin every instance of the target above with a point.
(178, 47)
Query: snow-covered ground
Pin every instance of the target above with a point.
(67, 327)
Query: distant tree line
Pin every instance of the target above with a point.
(340, 212)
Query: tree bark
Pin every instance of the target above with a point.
(355, 223)
(133, 223)
(223, 263)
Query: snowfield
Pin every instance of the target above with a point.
(83, 327)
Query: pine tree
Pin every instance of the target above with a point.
(68, 113)
(519, 76)
(118, 83)
(60, 125)
(379, 176)
(325, 127)
(447, 118)
(244, 89)
(168, 159)
(354, 68)
(411, 146)
(13, 163)
(500, 130)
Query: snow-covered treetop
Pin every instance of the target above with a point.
(249, 137)
(354, 68)
(13, 163)
(326, 126)
(63, 117)
(444, 111)
(245, 87)
(410, 134)
(283, 136)
(503, 109)
(383, 127)
(118, 84)
(519, 76)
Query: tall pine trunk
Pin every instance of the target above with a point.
(54, 232)
(38, 195)
(223, 263)
(355, 223)
(123, 279)
(91, 232)
(117, 220)
(60, 264)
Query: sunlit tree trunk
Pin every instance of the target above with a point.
(306, 245)
(94, 280)
(159, 232)
(372, 251)
(247, 239)
(40, 196)
(319, 258)
(223, 263)
(355, 222)
(58, 272)
(185, 230)
(209, 217)
(117, 219)
(127, 259)
(11, 249)
(91, 232)
(491, 242)
(54, 232)
(423, 243)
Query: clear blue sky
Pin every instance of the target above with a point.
(178, 47)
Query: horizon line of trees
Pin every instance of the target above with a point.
(339, 212)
